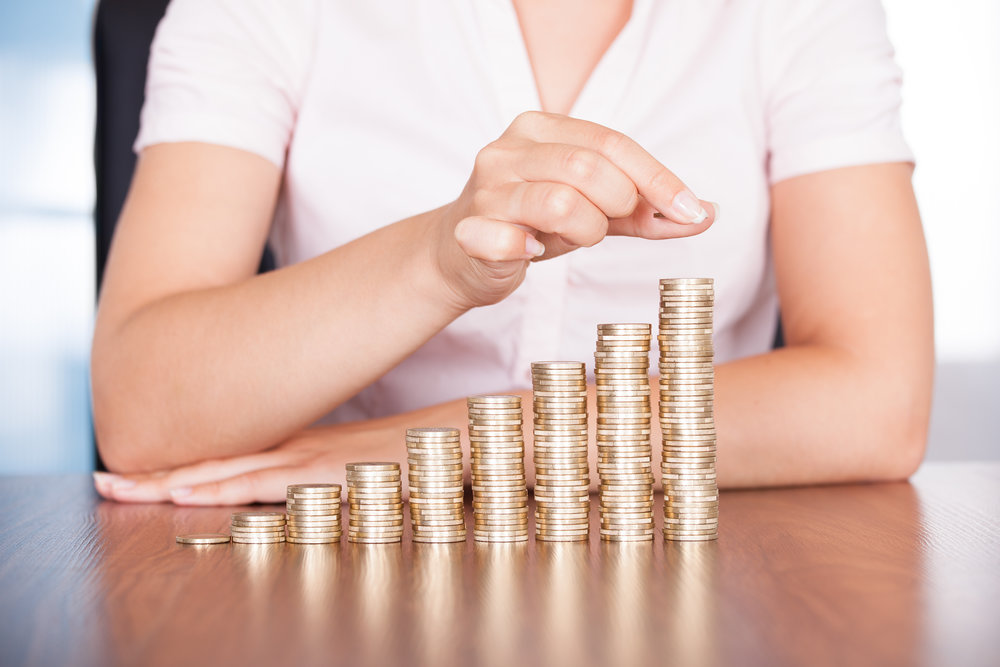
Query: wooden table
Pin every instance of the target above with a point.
(849, 575)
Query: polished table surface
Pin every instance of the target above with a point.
(881, 574)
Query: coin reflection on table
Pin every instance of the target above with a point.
(626, 603)
(377, 599)
(499, 573)
(438, 600)
(564, 587)
(259, 564)
(318, 572)
(691, 569)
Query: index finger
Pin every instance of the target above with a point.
(657, 184)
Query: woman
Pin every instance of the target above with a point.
(326, 128)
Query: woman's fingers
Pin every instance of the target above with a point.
(493, 240)
(145, 488)
(552, 208)
(644, 224)
(156, 487)
(661, 187)
(588, 172)
(268, 485)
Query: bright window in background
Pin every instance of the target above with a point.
(951, 62)
(46, 235)
(950, 54)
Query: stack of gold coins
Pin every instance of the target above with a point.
(624, 461)
(375, 503)
(687, 389)
(437, 494)
(257, 527)
(313, 512)
(562, 469)
(499, 489)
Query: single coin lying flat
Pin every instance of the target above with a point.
(203, 538)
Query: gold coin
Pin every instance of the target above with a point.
(432, 432)
(203, 538)
(314, 488)
(486, 399)
(237, 539)
(372, 466)
(258, 516)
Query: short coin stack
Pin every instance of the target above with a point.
(687, 381)
(257, 527)
(562, 469)
(375, 503)
(437, 495)
(624, 463)
(313, 513)
(499, 489)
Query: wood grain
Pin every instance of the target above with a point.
(889, 574)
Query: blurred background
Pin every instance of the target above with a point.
(951, 113)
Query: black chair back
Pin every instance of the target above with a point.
(123, 33)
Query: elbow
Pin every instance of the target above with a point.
(119, 451)
(907, 456)
(904, 436)
(125, 438)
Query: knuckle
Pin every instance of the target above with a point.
(581, 164)
(627, 201)
(489, 156)
(527, 121)
(611, 142)
(594, 233)
(664, 180)
(558, 201)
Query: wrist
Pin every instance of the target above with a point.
(441, 262)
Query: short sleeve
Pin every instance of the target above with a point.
(832, 87)
(229, 72)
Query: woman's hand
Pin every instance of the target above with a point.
(548, 185)
(315, 455)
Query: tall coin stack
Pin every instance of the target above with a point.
(257, 527)
(375, 503)
(499, 489)
(624, 461)
(687, 389)
(562, 469)
(313, 513)
(437, 495)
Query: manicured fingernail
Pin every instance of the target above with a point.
(105, 478)
(122, 485)
(533, 246)
(687, 208)
(180, 492)
(717, 213)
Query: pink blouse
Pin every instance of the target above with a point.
(375, 110)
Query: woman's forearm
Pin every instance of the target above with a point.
(816, 414)
(798, 415)
(235, 369)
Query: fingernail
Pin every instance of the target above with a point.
(180, 492)
(687, 208)
(122, 485)
(533, 246)
(717, 213)
(105, 478)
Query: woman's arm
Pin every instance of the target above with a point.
(847, 400)
(195, 357)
